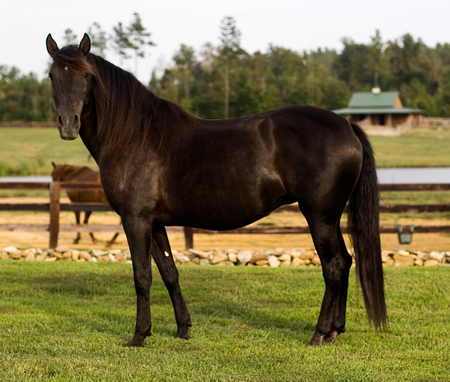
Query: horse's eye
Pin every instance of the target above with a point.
(86, 75)
(50, 76)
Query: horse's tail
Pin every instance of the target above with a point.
(363, 221)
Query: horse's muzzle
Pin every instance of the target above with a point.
(69, 127)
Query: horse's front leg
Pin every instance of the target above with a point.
(162, 254)
(139, 235)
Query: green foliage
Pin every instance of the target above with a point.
(70, 322)
(223, 79)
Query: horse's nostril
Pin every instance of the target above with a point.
(60, 122)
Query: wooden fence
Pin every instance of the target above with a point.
(54, 207)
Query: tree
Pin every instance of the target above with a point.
(69, 37)
(230, 38)
(120, 41)
(134, 38)
(376, 56)
(99, 39)
(138, 38)
(185, 61)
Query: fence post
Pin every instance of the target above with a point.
(55, 188)
(189, 237)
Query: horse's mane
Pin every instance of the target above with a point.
(126, 110)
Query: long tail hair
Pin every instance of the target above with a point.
(363, 220)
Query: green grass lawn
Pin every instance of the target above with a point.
(414, 149)
(30, 151)
(70, 322)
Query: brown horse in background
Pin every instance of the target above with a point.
(68, 173)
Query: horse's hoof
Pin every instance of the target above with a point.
(182, 333)
(316, 341)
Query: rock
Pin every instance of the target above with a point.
(41, 256)
(232, 257)
(297, 262)
(219, 257)
(98, 253)
(30, 256)
(6, 256)
(435, 255)
(62, 248)
(389, 263)
(181, 258)
(85, 255)
(75, 255)
(16, 255)
(386, 256)
(261, 263)
(204, 262)
(285, 257)
(418, 262)
(201, 254)
(274, 252)
(273, 261)
(67, 255)
(430, 263)
(121, 257)
(296, 252)
(402, 252)
(316, 260)
(51, 259)
(10, 249)
(244, 257)
(285, 264)
(307, 255)
(422, 255)
(56, 254)
(403, 261)
(257, 256)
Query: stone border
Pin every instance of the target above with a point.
(297, 257)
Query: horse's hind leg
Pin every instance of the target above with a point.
(336, 263)
(162, 254)
(77, 219)
(338, 324)
(87, 215)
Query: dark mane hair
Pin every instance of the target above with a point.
(124, 107)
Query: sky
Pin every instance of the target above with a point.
(298, 25)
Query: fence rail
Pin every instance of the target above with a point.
(54, 207)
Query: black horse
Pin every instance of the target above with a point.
(161, 166)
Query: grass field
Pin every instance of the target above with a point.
(70, 322)
(30, 151)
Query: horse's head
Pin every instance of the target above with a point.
(71, 76)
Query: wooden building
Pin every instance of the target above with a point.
(380, 109)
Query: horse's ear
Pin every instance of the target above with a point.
(85, 44)
(52, 48)
(53, 164)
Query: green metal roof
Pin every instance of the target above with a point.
(373, 100)
(376, 103)
(389, 110)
